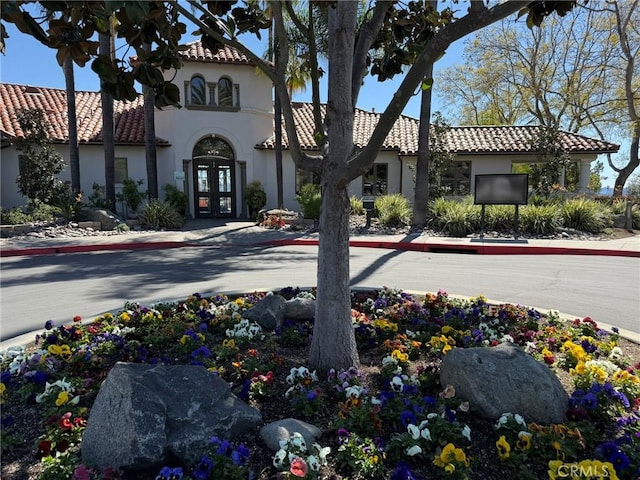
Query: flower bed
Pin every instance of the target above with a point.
(390, 418)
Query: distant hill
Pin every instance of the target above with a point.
(608, 191)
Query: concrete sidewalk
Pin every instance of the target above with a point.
(216, 232)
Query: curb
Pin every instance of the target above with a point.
(476, 249)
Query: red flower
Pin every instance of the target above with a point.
(62, 446)
(298, 467)
(44, 448)
(77, 318)
(65, 422)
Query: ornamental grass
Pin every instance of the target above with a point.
(388, 419)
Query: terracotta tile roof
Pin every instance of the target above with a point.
(128, 121)
(403, 137)
(197, 52)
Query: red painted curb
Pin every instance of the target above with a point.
(92, 248)
(478, 249)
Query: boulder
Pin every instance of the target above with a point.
(300, 309)
(505, 379)
(108, 220)
(274, 432)
(268, 312)
(146, 414)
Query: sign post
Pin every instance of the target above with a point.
(501, 189)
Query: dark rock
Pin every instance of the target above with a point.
(146, 414)
(274, 432)
(268, 312)
(505, 379)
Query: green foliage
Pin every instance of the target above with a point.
(457, 218)
(499, 217)
(176, 198)
(40, 162)
(160, 215)
(15, 216)
(586, 215)
(131, 196)
(68, 203)
(633, 186)
(357, 208)
(544, 175)
(98, 197)
(255, 197)
(393, 210)
(540, 219)
(310, 199)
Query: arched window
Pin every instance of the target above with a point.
(198, 91)
(213, 147)
(225, 92)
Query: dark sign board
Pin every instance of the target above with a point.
(501, 189)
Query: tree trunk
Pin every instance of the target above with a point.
(107, 132)
(421, 195)
(74, 152)
(150, 153)
(278, 133)
(625, 173)
(333, 344)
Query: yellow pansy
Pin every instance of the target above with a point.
(63, 397)
(62, 351)
(229, 343)
(450, 468)
(524, 440)
(124, 316)
(398, 355)
(554, 467)
(446, 349)
(503, 447)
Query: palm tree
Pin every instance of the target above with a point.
(150, 136)
(74, 152)
(107, 130)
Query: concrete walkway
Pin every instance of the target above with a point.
(215, 232)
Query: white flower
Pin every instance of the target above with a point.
(413, 431)
(397, 384)
(322, 453)
(415, 450)
(519, 420)
(616, 354)
(278, 458)
(432, 415)
(313, 463)
(466, 432)
(389, 360)
(426, 434)
(506, 339)
(297, 440)
(353, 391)
(375, 401)
(410, 334)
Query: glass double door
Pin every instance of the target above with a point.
(214, 192)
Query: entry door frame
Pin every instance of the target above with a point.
(214, 188)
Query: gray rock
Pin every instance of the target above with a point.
(145, 414)
(505, 379)
(300, 309)
(272, 433)
(268, 312)
(108, 220)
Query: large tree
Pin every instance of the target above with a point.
(579, 74)
(401, 35)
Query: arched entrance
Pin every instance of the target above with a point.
(214, 179)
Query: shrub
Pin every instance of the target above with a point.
(176, 198)
(131, 196)
(393, 210)
(42, 212)
(15, 216)
(255, 197)
(357, 208)
(98, 197)
(310, 199)
(457, 218)
(499, 217)
(68, 203)
(586, 215)
(539, 219)
(160, 215)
